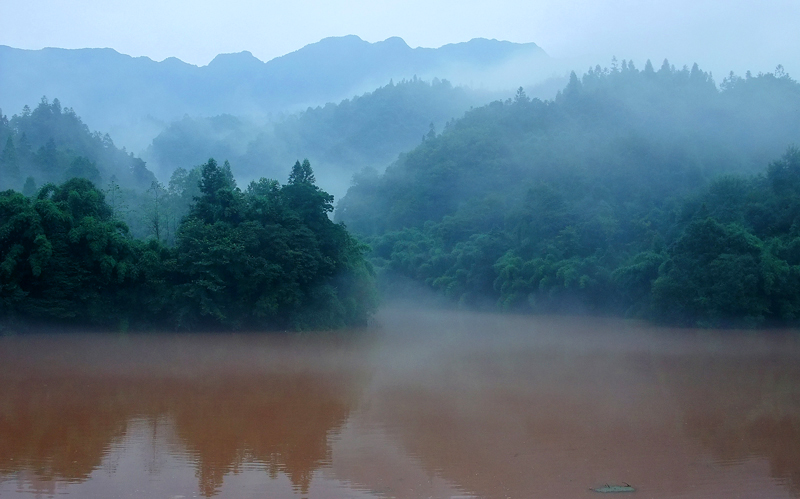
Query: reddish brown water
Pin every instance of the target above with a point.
(425, 404)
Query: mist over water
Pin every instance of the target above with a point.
(424, 403)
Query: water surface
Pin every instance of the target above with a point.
(423, 404)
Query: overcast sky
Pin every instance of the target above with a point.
(720, 35)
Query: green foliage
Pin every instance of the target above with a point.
(64, 257)
(713, 274)
(268, 257)
(736, 262)
(623, 195)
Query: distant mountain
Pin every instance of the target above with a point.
(133, 97)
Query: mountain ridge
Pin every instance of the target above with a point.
(133, 97)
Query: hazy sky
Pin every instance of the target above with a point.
(719, 34)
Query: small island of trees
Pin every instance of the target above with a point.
(267, 257)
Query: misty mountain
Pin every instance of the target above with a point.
(133, 97)
(653, 133)
(340, 139)
(606, 199)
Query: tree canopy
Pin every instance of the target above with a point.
(264, 258)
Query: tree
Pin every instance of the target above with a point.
(713, 275)
(303, 196)
(49, 160)
(521, 97)
(65, 148)
(302, 173)
(29, 189)
(24, 151)
(70, 261)
(573, 88)
(219, 198)
(431, 132)
(182, 191)
(156, 211)
(83, 168)
(9, 164)
(267, 257)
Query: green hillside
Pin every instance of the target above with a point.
(587, 202)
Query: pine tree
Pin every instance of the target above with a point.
(302, 173)
(29, 189)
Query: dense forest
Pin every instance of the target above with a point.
(266, 257)
(638, 192)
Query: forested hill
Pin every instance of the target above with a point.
(340, 139)
(51, 144)
(119, 93)
(577, 203)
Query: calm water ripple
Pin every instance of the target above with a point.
(424, 404)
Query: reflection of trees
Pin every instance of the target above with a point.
(60, 425)
(58, 428)
(282, 421)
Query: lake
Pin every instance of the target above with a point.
(424, 403)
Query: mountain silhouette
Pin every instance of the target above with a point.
(133, 98)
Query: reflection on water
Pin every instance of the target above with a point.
(217, 404)
(426, 404)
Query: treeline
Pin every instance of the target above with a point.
(340, 139)
(266, 257)
(602, 200)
